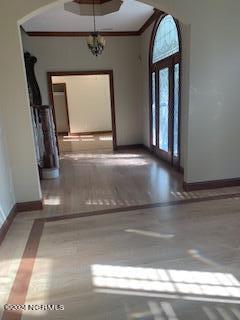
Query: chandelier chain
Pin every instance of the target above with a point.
(94, 16)
(96, 43)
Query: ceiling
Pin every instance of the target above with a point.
(131, 16)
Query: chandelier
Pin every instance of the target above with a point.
(96, 43)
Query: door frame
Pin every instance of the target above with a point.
(86, 73)
(155, 68)
(66, 105)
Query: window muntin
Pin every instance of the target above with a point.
(166, 42)
(176, 111)
(154, 125)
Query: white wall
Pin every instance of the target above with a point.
(89, 103)
(121, 56)
(7, 198)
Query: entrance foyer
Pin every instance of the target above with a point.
(105, 212)
(118, 238)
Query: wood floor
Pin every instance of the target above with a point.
(118, 239)
(103, 179)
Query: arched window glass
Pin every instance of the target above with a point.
(166, 41)
(165, 69)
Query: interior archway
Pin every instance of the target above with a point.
(52, 4)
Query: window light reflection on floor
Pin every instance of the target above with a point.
(52, 201)
(196, 254)
(164, 308)
(196, 195)
(87, 139)
(112, 202)
(166, 281)
(71, 140)
(101, 156)
(87, 136)
(70, 137)
(136, 162)
(107, 138)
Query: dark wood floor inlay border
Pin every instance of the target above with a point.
(140, 207)
(21, 283)
(22, 280)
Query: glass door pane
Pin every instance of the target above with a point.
(154, 126)
(176, 112)
(164, 109)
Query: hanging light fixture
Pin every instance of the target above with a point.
(96, 43)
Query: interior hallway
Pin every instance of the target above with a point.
(140, 223)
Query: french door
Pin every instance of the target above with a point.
(165, 112)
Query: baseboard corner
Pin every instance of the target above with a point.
(7, 223)
(29, 206)
(213, 184)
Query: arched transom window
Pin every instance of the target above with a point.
(166, 42)
(165, 58)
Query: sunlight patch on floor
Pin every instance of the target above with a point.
(71, 140)
(52, 201)
(177, 282)
(150, 234)
(107, 138)
(87, 139)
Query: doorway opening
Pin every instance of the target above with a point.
(84, 111)
(60, 103)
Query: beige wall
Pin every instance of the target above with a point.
(7, 197)
(15, 111)
(89, 102)
(213, 110)
(121, 55)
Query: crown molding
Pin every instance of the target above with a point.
(156, 14)
(91, 1)
(80, 34)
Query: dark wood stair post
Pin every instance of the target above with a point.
(43, 125)
(50, 168)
